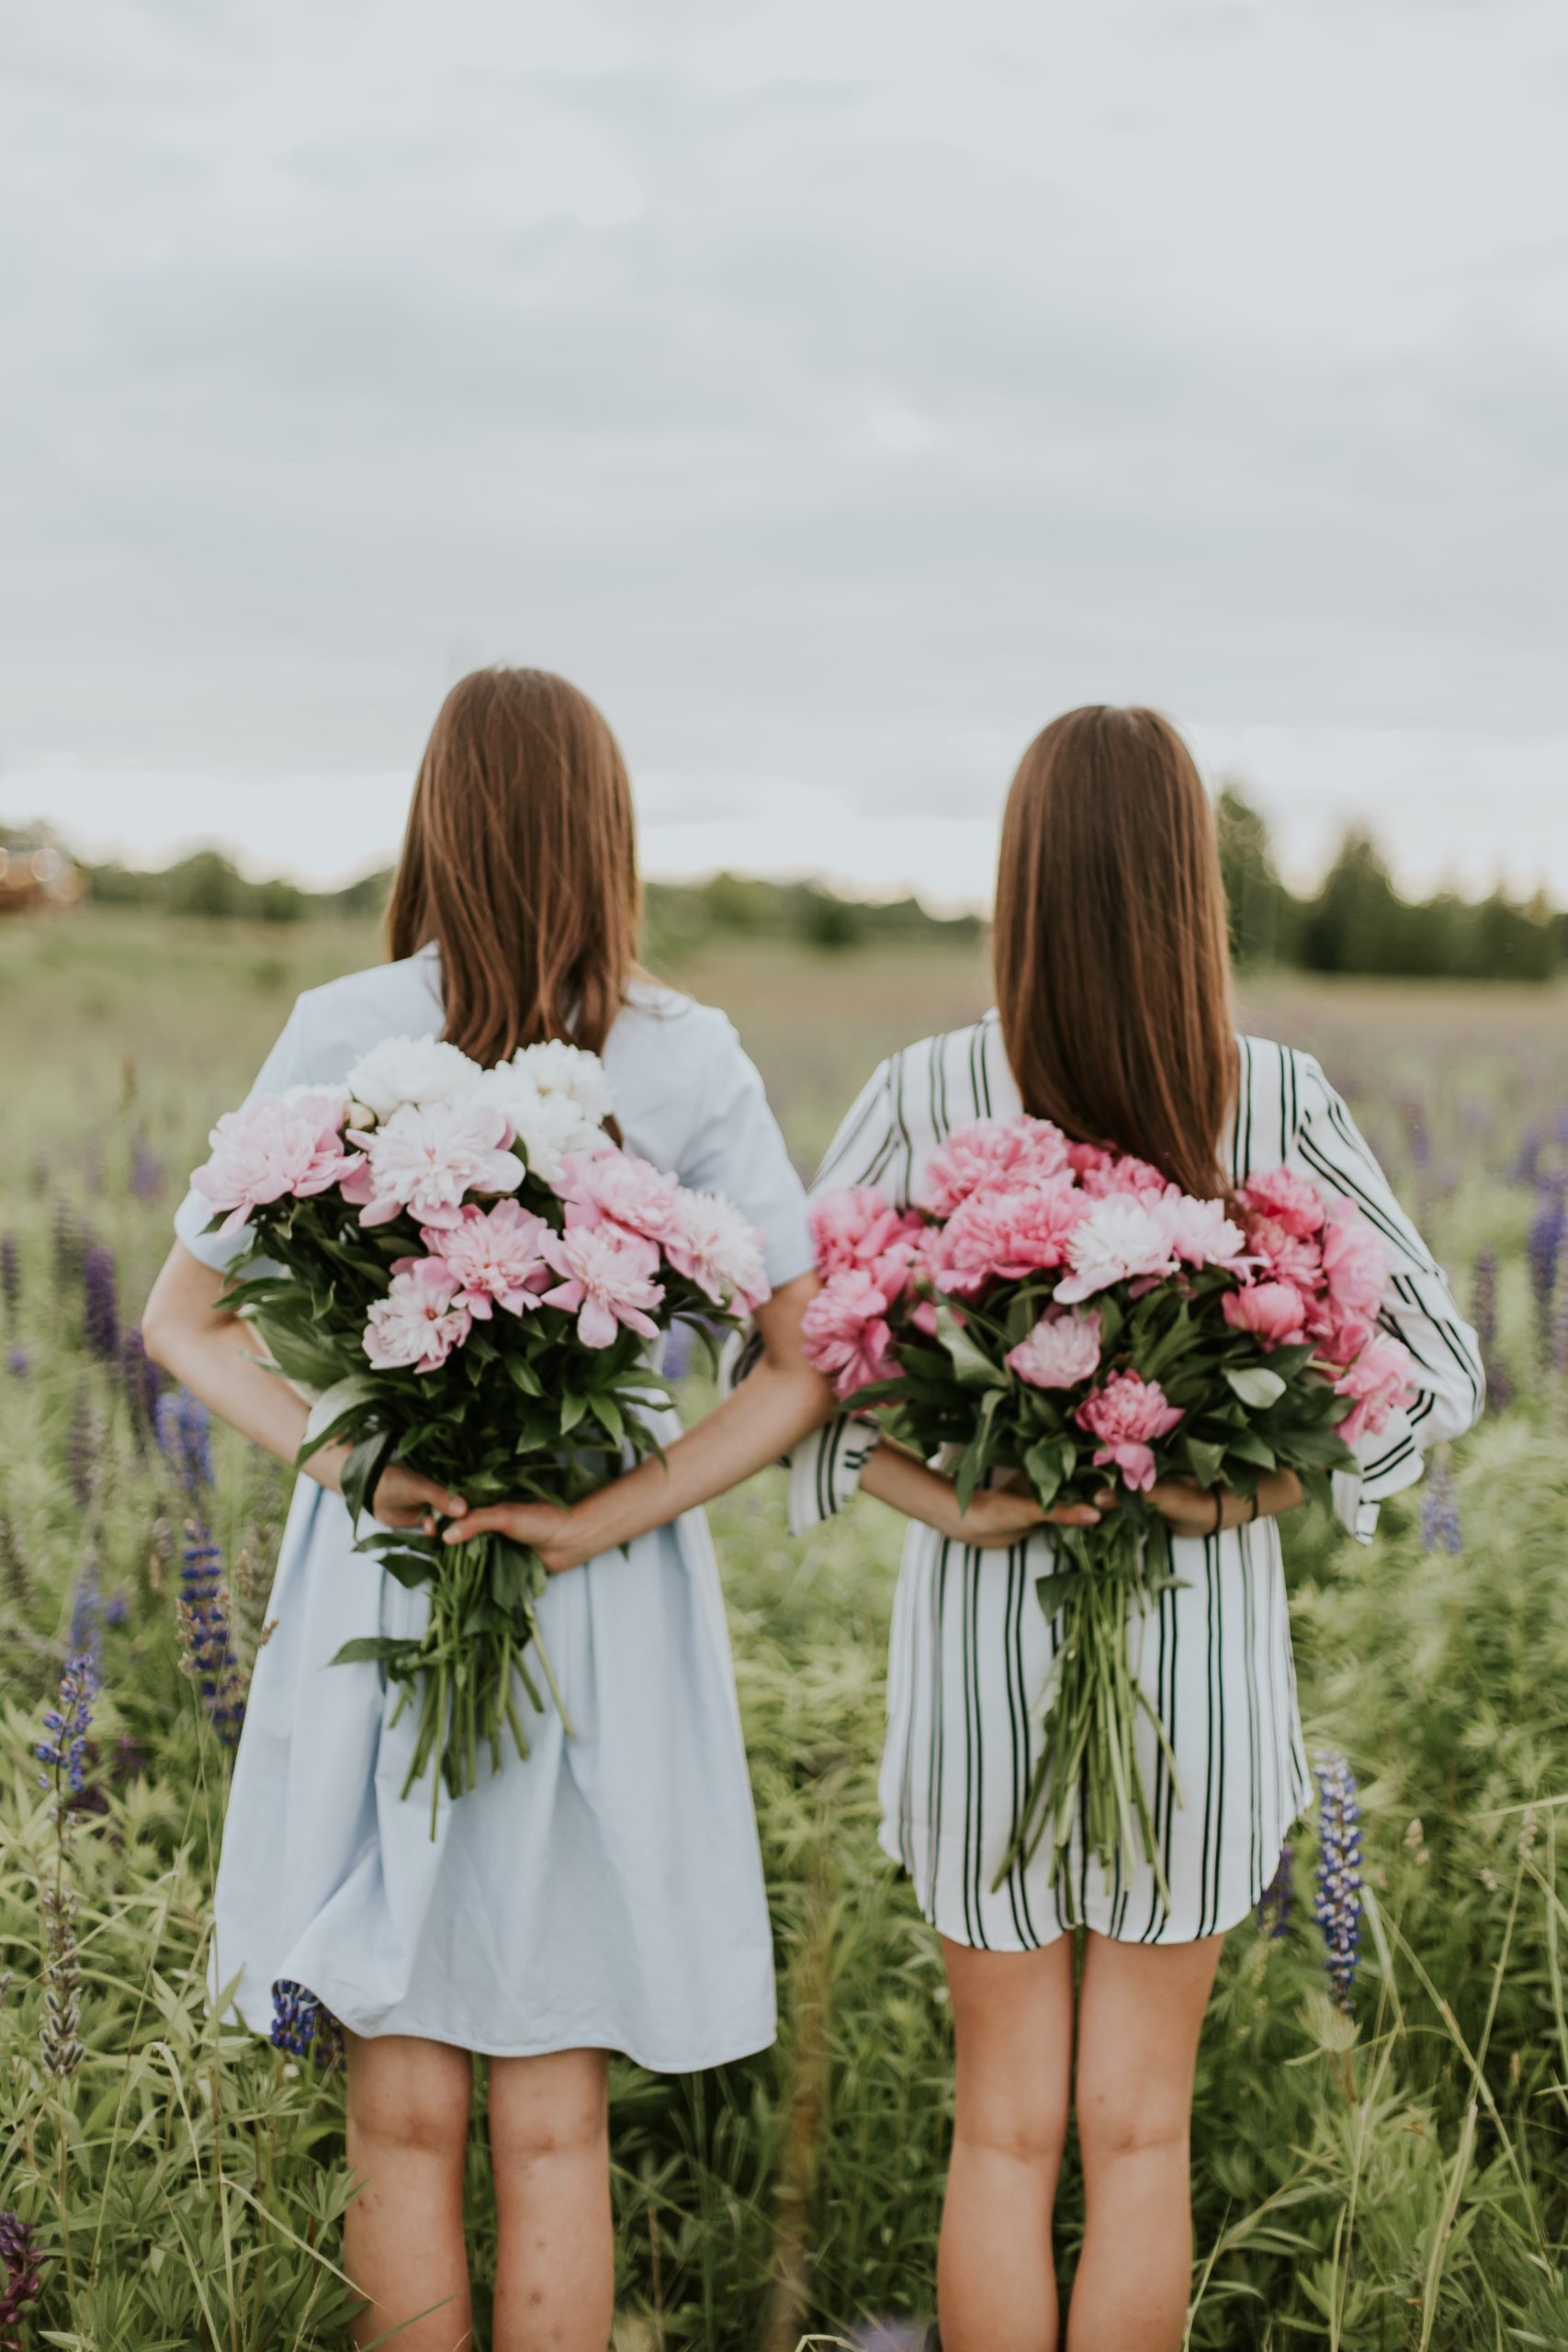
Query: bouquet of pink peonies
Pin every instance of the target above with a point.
(463, 1269)
(1061, 1313)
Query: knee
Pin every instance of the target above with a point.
(414, 2117)
(572, 2122)
(1032, 2133)
(1115, 2123)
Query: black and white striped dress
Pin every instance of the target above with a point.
(971, 1647)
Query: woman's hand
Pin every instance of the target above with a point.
(1189, 1510)
(997, 1516)
(554, 1533)
(403, 1499)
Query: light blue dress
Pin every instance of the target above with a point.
(607, 1891)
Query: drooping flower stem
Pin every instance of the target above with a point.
(1088, 1770)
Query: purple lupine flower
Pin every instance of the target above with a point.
(1337, 1910)
(1483, 1314)
(87, 1615)
(146, 1171)
(1440, 1530)
(205, 1638)
(1560, 1332)
(117, 1607)
(1275, 1902)
(100, 1294)
(1549, 1227)
(82, 1448)
(1526, 1169)
(142, 1382)
(20, 2261)
(69, 1241)
(64, 1752)
(18, 1363)
(182, 1426)
(303, 2025)
(10, 1274)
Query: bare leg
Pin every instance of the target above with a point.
(555, 2283)
(403, 2236)
(1141, 2009)
(1013, 2016)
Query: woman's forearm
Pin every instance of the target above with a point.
(215, 1356)
(764, 1418)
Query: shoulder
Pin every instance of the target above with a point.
(664, 1020)
(334, 1024)
(948, 1079)
(1280, 1090)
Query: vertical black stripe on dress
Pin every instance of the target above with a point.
(939, 1611)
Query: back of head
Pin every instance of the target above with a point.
(520, 863)
(1112, 969)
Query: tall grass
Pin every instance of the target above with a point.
(1394, 2178)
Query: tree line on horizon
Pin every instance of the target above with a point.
(1356, 922)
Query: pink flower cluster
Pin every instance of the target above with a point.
(278, 1147)
(1008, 1201)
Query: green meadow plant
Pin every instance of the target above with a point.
(1369, 2179)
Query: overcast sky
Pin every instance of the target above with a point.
(832, 391)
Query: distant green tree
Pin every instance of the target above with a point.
(278, 902)
(368, 896)
(1353, 922)
(205, 883)
(1262, 913)
(825, 920)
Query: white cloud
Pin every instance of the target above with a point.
(835, 393)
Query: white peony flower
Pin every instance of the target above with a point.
(715, 1247)
(427, 1158)
(549, 1127)
(1122, 1239)
(556, 1067)
(412, 1069)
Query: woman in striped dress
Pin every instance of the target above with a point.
(1113, 988)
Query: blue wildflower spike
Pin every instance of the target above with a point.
(1337, 1910)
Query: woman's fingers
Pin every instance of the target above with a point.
(492, 1519)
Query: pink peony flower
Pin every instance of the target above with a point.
(856, 1227)
(618, 1185)
(1006, 1233)
(1062, 1349)
(427, 1156)
(1123, 1173)
(608, 1281)
(1287, 1199)
(1122, 1239)
(1202, 1233)
(1355, 1266)
(991, 1152)
(1089, 1159)
(1381, 1380)
(419, 1322)
(845, 1333)
(279, 1146)
(1125, 1415)
(1285, 1255)
(713, 1246)
(1273, 1312)
(495, 1257)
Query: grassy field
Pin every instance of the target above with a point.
(1396, 2179)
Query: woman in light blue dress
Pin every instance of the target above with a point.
(607, 1893)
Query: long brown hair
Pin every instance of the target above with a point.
(520, 863)
(1112, 969)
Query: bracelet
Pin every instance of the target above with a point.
(1252, 1514)
(1219, 1508)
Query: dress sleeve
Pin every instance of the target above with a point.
(1417, 1308)
(825, 1467)
(737, 1150)
(284, 1067)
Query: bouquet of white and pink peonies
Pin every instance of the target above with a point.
(1062, 1313)
(463, 1268)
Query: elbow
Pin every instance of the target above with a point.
(158, 1334)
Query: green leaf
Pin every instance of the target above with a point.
(344, 1396)
(1203, 1460)
(374, 1649)
(972, 1365)
(1045, 1469)
(1255, 1384)
(410, 1568)
(572, 1408)
(362, 1471)
(1253, 1448)
(523, 1375)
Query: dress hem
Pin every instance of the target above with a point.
(884, 1839)
(549, 2046)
